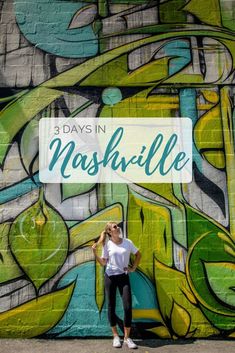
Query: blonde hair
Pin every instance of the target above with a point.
(105, 233)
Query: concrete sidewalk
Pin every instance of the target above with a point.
(105, 346)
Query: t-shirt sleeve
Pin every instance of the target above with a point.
(133, 248)
(105, 254)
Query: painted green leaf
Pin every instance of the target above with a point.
(207, 11)
(36, 316)
(38, 239)
(180, 320)
(172, 287)
(86, 232)
(149, 227)
(198, 224)
(211, 247)
(221, 278)
(230, 249)
(75, 189)
(166, 197)
(24, 108)
(30, 138)
(8, 266)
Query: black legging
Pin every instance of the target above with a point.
(123, 283)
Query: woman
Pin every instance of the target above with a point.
(115, 256)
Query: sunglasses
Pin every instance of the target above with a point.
(115, 226)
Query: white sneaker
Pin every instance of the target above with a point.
(130, 343)
(116, 342)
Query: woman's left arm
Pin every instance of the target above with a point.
(136, 262)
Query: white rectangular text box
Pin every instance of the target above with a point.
(115, 150)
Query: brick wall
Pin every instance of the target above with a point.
(168, 59)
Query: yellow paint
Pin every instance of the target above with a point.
(169, 284)
(159, 99)
(90, 228)
(204, 106)
(207, 11)
(210, 96)
(208, 130)
(36, 316)
(215, 158)
(181, 255)
(149, 73)
(225, 238)
(161, 106)
(153, 314)
(229, 250)
(160, 331)
(154, 236)
(208, 137)
(99, 282)
(185, 78)
(180, 320)
(189, 295)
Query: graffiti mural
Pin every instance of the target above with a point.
(117, 58)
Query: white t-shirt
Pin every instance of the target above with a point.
(118, 256)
